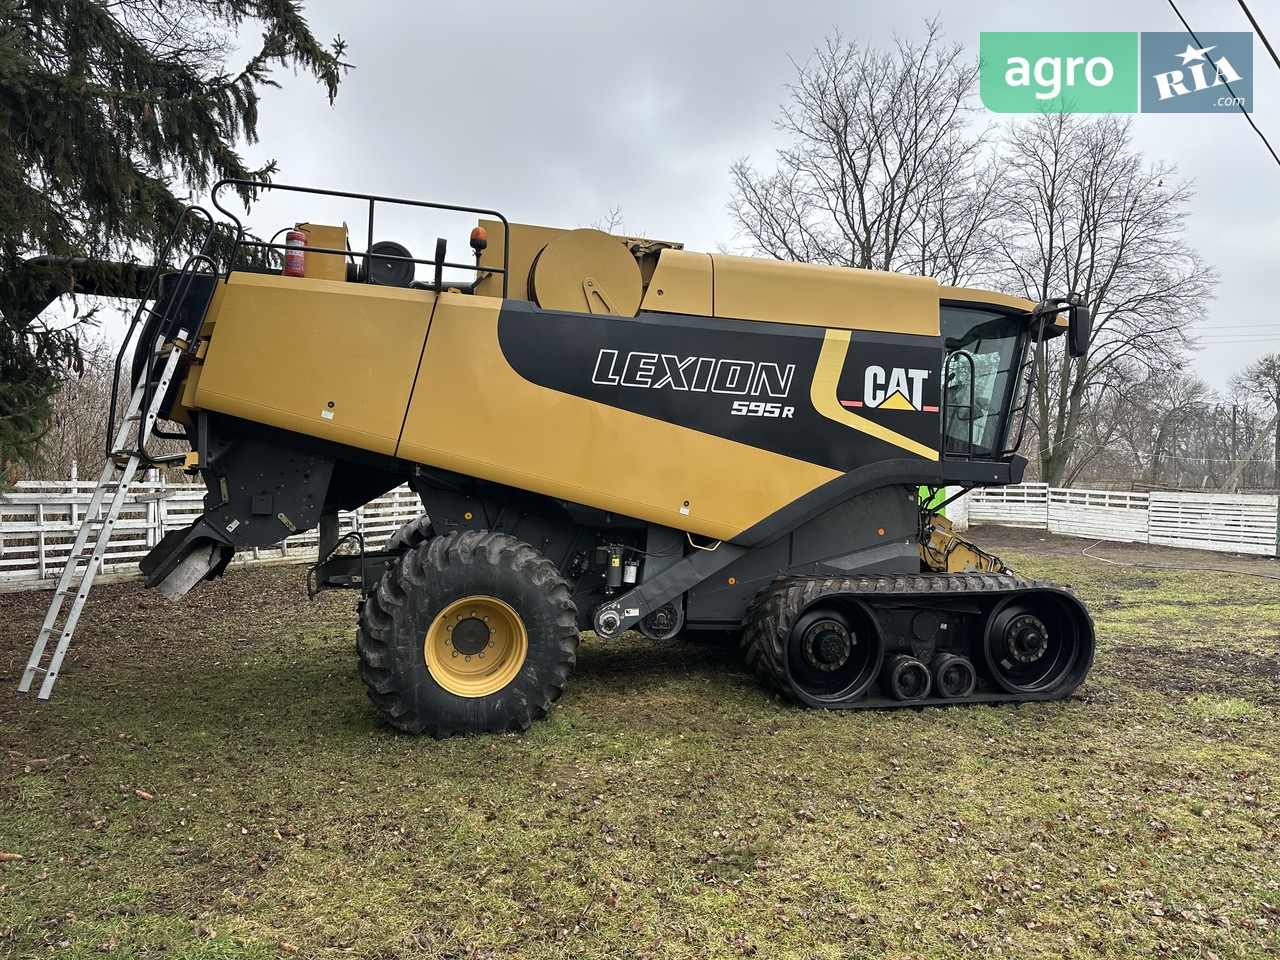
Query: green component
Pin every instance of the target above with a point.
(932, 498)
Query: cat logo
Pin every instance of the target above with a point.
(898, 388)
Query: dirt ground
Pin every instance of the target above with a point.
(996, 537)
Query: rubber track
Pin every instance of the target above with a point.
(774, 610)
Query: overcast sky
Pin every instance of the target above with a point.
(555, 112)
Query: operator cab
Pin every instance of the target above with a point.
(985, 353)
(989, 365)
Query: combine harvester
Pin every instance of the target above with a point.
(607, 433)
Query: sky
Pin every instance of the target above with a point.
(557, 112)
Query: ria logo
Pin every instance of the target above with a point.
(1200, 74)
(897, 388)
(1174, 83)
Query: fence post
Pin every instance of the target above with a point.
(40, 541)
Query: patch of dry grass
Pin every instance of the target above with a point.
(209, 781)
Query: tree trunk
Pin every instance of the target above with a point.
(1262, 438)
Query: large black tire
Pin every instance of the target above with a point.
(468, 587)
(416, 531)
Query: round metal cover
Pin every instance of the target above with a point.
(387, 272)
(586, 271)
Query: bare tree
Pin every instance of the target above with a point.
(77, 430)
(882, 170)
(610, 222)
(1113, 443)
(78, 417)
(1174, 407)
(1261, 379)
(1148, 428)
(1087, 213)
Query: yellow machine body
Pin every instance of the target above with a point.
(422, 377)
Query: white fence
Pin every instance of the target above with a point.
(1236, 523)
(39, 521)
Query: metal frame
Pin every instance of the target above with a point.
(254, 187)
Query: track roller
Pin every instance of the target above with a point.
(834, 654)
(905, 678)
(826, 641)
(954, 677)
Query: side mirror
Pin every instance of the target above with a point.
(1079, 328)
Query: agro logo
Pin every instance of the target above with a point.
(898, 388)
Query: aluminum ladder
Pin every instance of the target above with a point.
(90, 546)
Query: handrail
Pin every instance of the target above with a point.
(205, 238)
(1029, 368)
(947, 406)
(255, 186)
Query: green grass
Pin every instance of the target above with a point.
(209, 781)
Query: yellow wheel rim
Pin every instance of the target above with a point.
(476, 646)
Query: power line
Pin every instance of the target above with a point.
(1216, 342)
(1241, 338)
(1261, 36)
(1212, 338)
(1247, 116)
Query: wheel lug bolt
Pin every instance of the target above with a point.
(468, 659)
(491, 643)
(455, 653)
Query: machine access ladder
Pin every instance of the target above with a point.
(162, 337)
(90, 546)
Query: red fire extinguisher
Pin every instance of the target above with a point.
(295, 254)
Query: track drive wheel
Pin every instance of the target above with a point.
(820, 652)
(469, 633)
(1039, 643)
